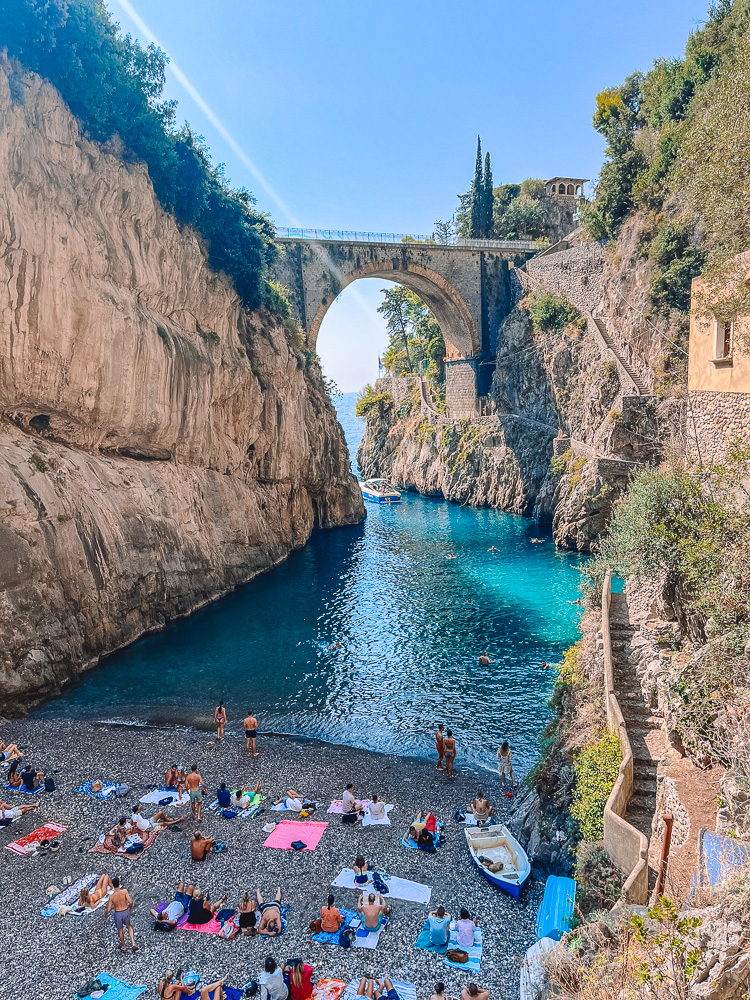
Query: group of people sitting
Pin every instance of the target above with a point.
(190, 900)
(29, 779)
(424, 832)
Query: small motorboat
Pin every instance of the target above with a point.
(494, 847)
(379, 491)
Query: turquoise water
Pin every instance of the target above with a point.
(410, 623)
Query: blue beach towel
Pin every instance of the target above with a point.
(475, 953)
(407, 991)
(423, 941)
(25, 791)
(229, 993)
(413, 847)
(118, 990)
(108, 788)
(332, 937)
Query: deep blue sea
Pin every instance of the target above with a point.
(410, 623)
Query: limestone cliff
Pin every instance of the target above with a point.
(159, 445)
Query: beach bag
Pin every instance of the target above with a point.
(299, 845)
(93, 986)
(460, 816)
(349, 818)
(161, 925)
(49, 785)
(379, 885)
(96, 786)
(121, 790)
(166, 801)
(457, 955)
(219, 846)
(347, 936)
(228, 813)
(228, 929)
(316, 927)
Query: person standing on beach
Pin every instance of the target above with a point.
(449, 747)
(122, 904)
(439, 745)
(250, 724)
(196, 786)
(220, 717)
(505, 764)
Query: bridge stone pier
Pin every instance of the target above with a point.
(466, 286)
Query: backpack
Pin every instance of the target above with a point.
(121, 790)
(91, 987)
(167, 801)
(49, 785)
(299, 845)
(347, 936)
(228, 813)
(349, 818)
(457, 955)
(379, 885)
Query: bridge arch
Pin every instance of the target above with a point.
(448, 307)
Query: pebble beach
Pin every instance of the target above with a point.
(54, 956)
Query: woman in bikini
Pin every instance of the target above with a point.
(96, 895)
(248, 918)
(449, 748)
(361, 871)
(220, 717)
(14, 775)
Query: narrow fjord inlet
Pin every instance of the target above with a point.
(410, 622)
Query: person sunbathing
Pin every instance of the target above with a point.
(91, 897)
(201, 846)
(8, 751)
(374, 911)
(247, 915)
(270, 915)
(416, 828)
(295, 801)
(169, 916)
(9, 812)
(13, 777)
(373, 989)
(243, 799)
(158, 822)
(174, 779)
(173, 987)
(200, 910)
(481, 808)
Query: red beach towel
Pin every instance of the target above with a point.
(431, 823)
(328, 989)
(289, 830)
(47, 832)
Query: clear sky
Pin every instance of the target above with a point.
(364, 116)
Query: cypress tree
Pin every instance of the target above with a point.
(476, 198)
(487, 200)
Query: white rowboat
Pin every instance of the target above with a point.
(495, 846)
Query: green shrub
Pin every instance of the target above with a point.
(372, 405)
(551, 312)
(559, 463)
(210, 336)
(599, 881)
(38, 462)
(596, 768)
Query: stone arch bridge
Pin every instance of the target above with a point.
(466, 285)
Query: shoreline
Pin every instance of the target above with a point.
(69, 950)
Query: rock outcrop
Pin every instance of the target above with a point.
(159, 445)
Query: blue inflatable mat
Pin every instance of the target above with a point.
(556, 911)
(718, 858)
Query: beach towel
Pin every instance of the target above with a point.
(155, 797)
(328, 989)
(107, 789)
(252, 811)
(332, 937)
(229, 993)
(212, 927)
(29, 843)
(407, 991)
(423, 941)
(69, 896)
(118, 990)
(369, 939)
(398, 888)
(367, 819)
(475, 953)
(25, 791)
(108, 847)
(337, 806)
(433, 826)
(288, 831)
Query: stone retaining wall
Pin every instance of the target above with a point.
(715, 419)
(400, 387)
(575, 273)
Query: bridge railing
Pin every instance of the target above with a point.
(349, 236)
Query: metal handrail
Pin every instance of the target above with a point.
(349, 236)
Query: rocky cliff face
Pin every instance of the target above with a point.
(158, 444)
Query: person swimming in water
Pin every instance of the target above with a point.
(485, 660)
(493, 549)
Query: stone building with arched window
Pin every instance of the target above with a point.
(565, 187)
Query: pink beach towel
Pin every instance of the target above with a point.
(212, 927)
(47, 832)
(290, 830)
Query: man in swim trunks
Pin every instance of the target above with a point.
(270, 914)
(439, 745)
(197, 787)
(485, 660)
(200, 846)
(172, 913)
(250, 724)
(122, 904)
(374, 911)
(7, 811)
(373, 989)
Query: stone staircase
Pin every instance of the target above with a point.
(645, 729)
(637, 380)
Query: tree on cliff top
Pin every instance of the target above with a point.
(476, 198)
(487, 199)
(114, 86)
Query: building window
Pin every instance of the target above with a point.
(570, 189)
(553, 189)
(724, 340)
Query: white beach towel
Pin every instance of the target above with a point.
(367, 819)
(399, 888)
(368, 939)
(75, 912)
(155, 797)
(470, 820)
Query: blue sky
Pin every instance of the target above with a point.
(364, 116)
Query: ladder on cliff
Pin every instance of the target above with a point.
(637, 380)
(643, 724)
